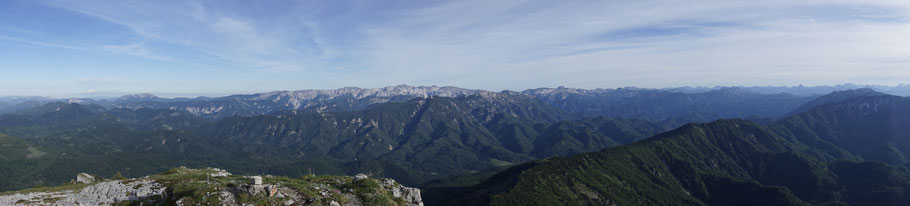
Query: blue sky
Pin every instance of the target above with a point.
(65, 48)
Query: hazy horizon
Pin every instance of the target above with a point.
(96, 95)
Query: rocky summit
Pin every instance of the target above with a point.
(210, 186)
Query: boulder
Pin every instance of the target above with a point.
(219, 173)
(84, 178)
(256, 180)
(410, 195)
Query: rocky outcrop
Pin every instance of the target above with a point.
(410, 195)
(324, 193)
(103, 193)
(219, 173)
(84, 178)
(184, 186)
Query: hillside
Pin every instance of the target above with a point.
(412, 141)
(433, 137)
(834, 97)
(21, 161)
(872, 127)
(673, 105)
(490, 139)
(813, 158)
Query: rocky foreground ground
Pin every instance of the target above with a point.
(183, 186)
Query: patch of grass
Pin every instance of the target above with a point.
(195, 186)
(500, 163)
(52, 200)
(118, 176)
(307, 186)
(66, 187)
(34, 153)
(371, 193)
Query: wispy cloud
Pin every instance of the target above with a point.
(44, 43)
(136, 49)
(650, 43)
(515, 44)
(208, 29)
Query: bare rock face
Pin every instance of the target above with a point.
(115, 191)
(410, 195)
(218, 186)
(103, 193)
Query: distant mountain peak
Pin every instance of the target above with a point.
(837, 96)
(359, 93)
(78, 100)
(142, 96)
(729, 91)
(859, 91)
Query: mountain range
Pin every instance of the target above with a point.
(652, 104)
(413, 141)
(843, 151)
(546, 146)
(678, 105)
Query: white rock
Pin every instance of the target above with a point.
(360, 176)
(85, 178)
(220, 173)
(256, 180)
(104, 193)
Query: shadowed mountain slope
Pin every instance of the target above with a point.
(817, 157)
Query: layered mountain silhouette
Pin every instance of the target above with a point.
(414, 141)
(846, 151)
(537, 147)
(675, 105)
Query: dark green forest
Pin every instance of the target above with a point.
(845, 148)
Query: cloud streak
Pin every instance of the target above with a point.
(46, 44)
(609, 43)
(200, 29)
(513, 44)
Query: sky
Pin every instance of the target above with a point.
(86, 48)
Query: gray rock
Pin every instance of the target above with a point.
(256, 180)
(410, 195)
(142, 189)
(84, 178)
(228, 198)
(219, 173)
(104, 193)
